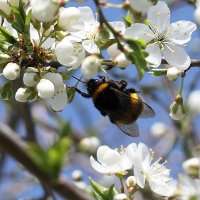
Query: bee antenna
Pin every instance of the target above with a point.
(79, 79)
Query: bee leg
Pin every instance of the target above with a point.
(81, 93)
(123, 84)
(132, 90)
(103, 78)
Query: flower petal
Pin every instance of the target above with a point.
(86, 14)
(59, 101)
(101, 152)
(163, 188)
(176, 56)
(77, 29)
(159, 16)
(155, 56)
(118, 26)
(90, 46)
(180, 32)
(141, 5)
(111, 158)
(113, 51)
(98, 167)
(139, 31)
(131, 150)
(138, 171)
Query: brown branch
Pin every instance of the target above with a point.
(17, 148)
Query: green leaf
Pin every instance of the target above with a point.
(137, 56)
(5, 35)
(158, 72)
(51, 160)
(6, 92)
(128, 19)
(20, 18)
(102, 193)
(27, 23)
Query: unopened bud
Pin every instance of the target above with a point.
(173, 73)
(121, 196)
(130, 181)
(177, 110)
(22, 95)
(192, 167)
(90, 66)
(77, 175)
(11, 71)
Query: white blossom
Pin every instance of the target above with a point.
(118, 57)
(156, 174)
(67, 16)
(22, 95)
(188, 188)
(193, 102)
(11, 71)
(111, 161)
(87, 28)
(70, 52)
(163, 39)
(90, 66)
(44, 11)
(141, 5)
(173, 73)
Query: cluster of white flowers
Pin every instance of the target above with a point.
(72, 37)
(140, 159)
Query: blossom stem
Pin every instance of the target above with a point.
(182, 84)
(104, 21)
(121, 183)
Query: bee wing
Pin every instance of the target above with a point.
(129, 129)
(147, 111)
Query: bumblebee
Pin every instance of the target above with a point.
(122, 105)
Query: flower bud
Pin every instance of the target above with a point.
(77, 175)
(89, 144)
(192, 167)
(45, 89)
(131, 182)
(29, 79)
(121, 196)
(22, 95)
(90, 66)
(177, 110)
(172, 73)
(122, 61)
(193, 102)
(44, 11)
(159, 129)
(67, 16)
(11, 71)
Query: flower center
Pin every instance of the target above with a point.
(77, 49)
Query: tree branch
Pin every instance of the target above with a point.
(17, 148)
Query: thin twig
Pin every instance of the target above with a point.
(17, 148)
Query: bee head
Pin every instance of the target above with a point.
(92, 84)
